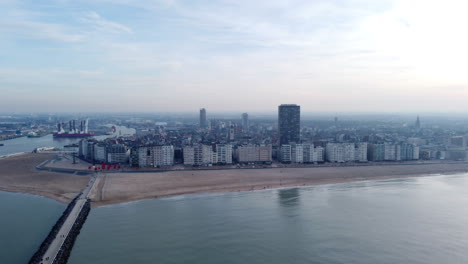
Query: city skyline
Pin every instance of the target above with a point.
(362, 56)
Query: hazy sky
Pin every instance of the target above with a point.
(233, 55)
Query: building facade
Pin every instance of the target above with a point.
(245, 122)
(203, 121)
(289, 124)
(254, 154)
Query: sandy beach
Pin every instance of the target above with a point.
(124, 187)
(18, 174)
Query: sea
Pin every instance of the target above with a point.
(421, 220)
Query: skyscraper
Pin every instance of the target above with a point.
(289, 123)
(203, 122)
(418, 123)
(245, 122)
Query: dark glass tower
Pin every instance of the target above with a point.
(203, 122)
(289, 123)
(245, 122)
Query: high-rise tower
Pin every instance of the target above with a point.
(245, 122)
(418, 123)
(203, 122)
(289, 123)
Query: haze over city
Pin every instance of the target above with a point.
(117, 55)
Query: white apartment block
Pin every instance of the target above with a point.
(224, 153)
(100, 152)
(301, 153)
(297, 153)
(346, 152)
(199, 155)
(390, 152)
(163, 156)
(318, 155)
(360, 153)
(155, 156)
(335, 152)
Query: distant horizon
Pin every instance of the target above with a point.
(250, 113)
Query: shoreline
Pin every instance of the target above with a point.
(279, 187)
(128, 187)
(63, 200)
(18, 174)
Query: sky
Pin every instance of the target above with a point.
(233, 55)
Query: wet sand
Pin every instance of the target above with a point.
(18, 174)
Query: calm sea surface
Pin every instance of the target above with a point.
(25, 220)
(418, 220)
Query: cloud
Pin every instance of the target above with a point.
(103, 25)
(23, 24)
(325, 53)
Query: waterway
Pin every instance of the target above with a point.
(414, 220)
(25, 144)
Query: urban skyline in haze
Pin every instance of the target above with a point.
(176, 56)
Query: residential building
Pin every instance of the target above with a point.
(289, 123)
(199, 155)
(254, 154)
(224, 153)
(360, 153)
(318, 155)
(341, 152)
(285, 153)
(297, 153)
(100, 153)
(117, 153)
(163, 156)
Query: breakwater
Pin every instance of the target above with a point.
(37, 257)
(67, 246)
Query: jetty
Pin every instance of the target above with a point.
(56, 248)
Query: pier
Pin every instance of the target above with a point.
(56, 248)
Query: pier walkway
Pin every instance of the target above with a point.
(55, 246)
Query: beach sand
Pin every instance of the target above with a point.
(18, 174)
(124, 187)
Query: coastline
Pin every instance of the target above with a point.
(117, 188)
(18, 173)
(271, 187)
